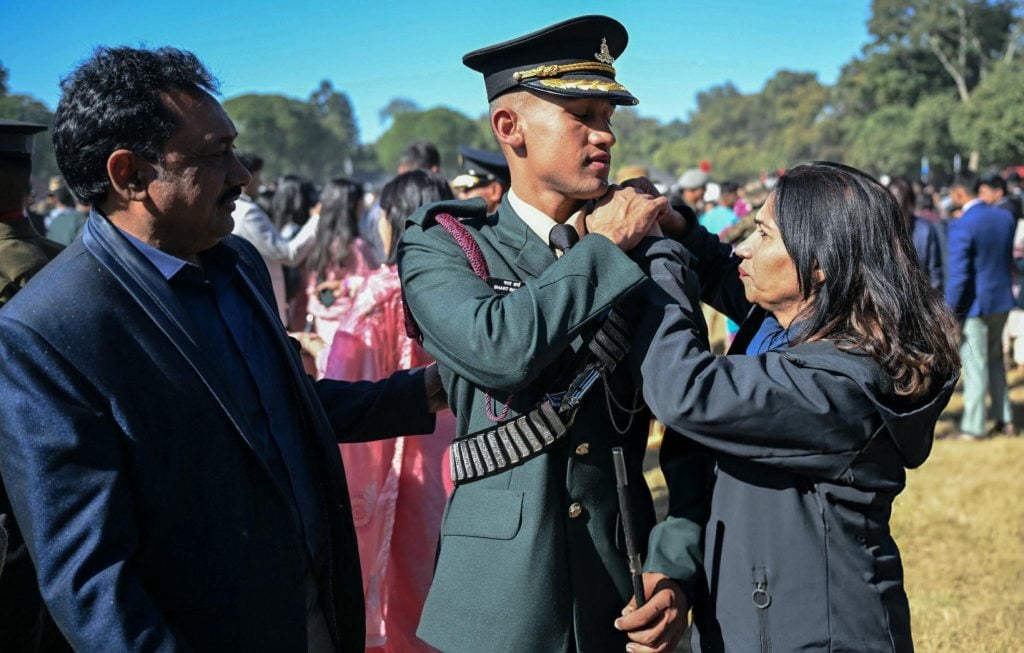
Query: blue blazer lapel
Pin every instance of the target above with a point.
(531, 255)
(151, 292)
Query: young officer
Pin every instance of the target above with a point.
(532, 556)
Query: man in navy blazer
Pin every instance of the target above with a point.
(978, 288)
(175, 473)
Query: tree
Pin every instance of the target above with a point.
(443, 127)
(336, 115)
(967, 37)
(288, 134)
(3, 80)
(883, 142)
(993, 122)
(396, 106)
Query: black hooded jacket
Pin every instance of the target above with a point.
(808, 449)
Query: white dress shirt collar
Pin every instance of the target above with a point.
(538, 221)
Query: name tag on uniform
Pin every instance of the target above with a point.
(503, 286)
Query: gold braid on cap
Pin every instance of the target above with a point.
(554, 70)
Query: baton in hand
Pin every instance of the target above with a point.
(626, 510)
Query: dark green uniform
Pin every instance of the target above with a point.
(531, 559)
(23, 253)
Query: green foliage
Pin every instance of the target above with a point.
(966, 37)
(992, 123)
(788, 121)
(335, 113)
(3, 80)
(396, 106)
(289, 134)
(22, 107)
(443, 127)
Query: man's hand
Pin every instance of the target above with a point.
(437, 400)
(658, 626)
(624, 215)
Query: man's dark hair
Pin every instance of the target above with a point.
(403, 195)
(113, 101)
(420, 156)
(253, 162)
(993, 181)
(966, 180)
(728, 187)
(64, 196)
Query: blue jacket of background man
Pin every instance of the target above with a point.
(980, 261)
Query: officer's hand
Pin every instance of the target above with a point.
(437, 400)
(624, 215)
(658, 626)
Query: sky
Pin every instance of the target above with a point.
(377, 51)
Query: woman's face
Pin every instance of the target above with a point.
(767, 270)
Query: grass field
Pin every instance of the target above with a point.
(960, 527)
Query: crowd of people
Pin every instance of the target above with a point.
(282, 414)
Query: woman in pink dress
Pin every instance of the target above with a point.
(398, 487)
(340, 260)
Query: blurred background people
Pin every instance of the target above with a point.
(339, 260)
(398, 487)
(978, 289)
(484, 174)
(923, 232)
(253, 224)
(692, 184)
(25, 624)
(721, 216)
(67, 221)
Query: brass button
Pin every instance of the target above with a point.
(583, 449)
(575, 510)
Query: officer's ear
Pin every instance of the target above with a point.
(507, 125)
(129, 175)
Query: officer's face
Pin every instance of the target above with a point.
(568, 144)
(767, 271)
(198, 180)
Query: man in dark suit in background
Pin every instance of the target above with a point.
(175, 471)
(978, 289)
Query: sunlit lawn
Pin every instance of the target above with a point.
(960, 527)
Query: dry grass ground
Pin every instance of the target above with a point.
(960, 527)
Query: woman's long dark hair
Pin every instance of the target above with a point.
(293, 199)
(874, 296)
(903, 191)
(403, 195)
(340, 203)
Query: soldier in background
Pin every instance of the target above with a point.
(485, 174)
(24, 623)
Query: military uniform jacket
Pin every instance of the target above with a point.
(23, 252)
(531, 559)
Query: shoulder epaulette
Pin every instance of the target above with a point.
(474, 207)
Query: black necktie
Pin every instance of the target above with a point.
(563, 236)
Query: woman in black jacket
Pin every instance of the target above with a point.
(844, 361)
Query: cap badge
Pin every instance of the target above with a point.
(604, 56)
